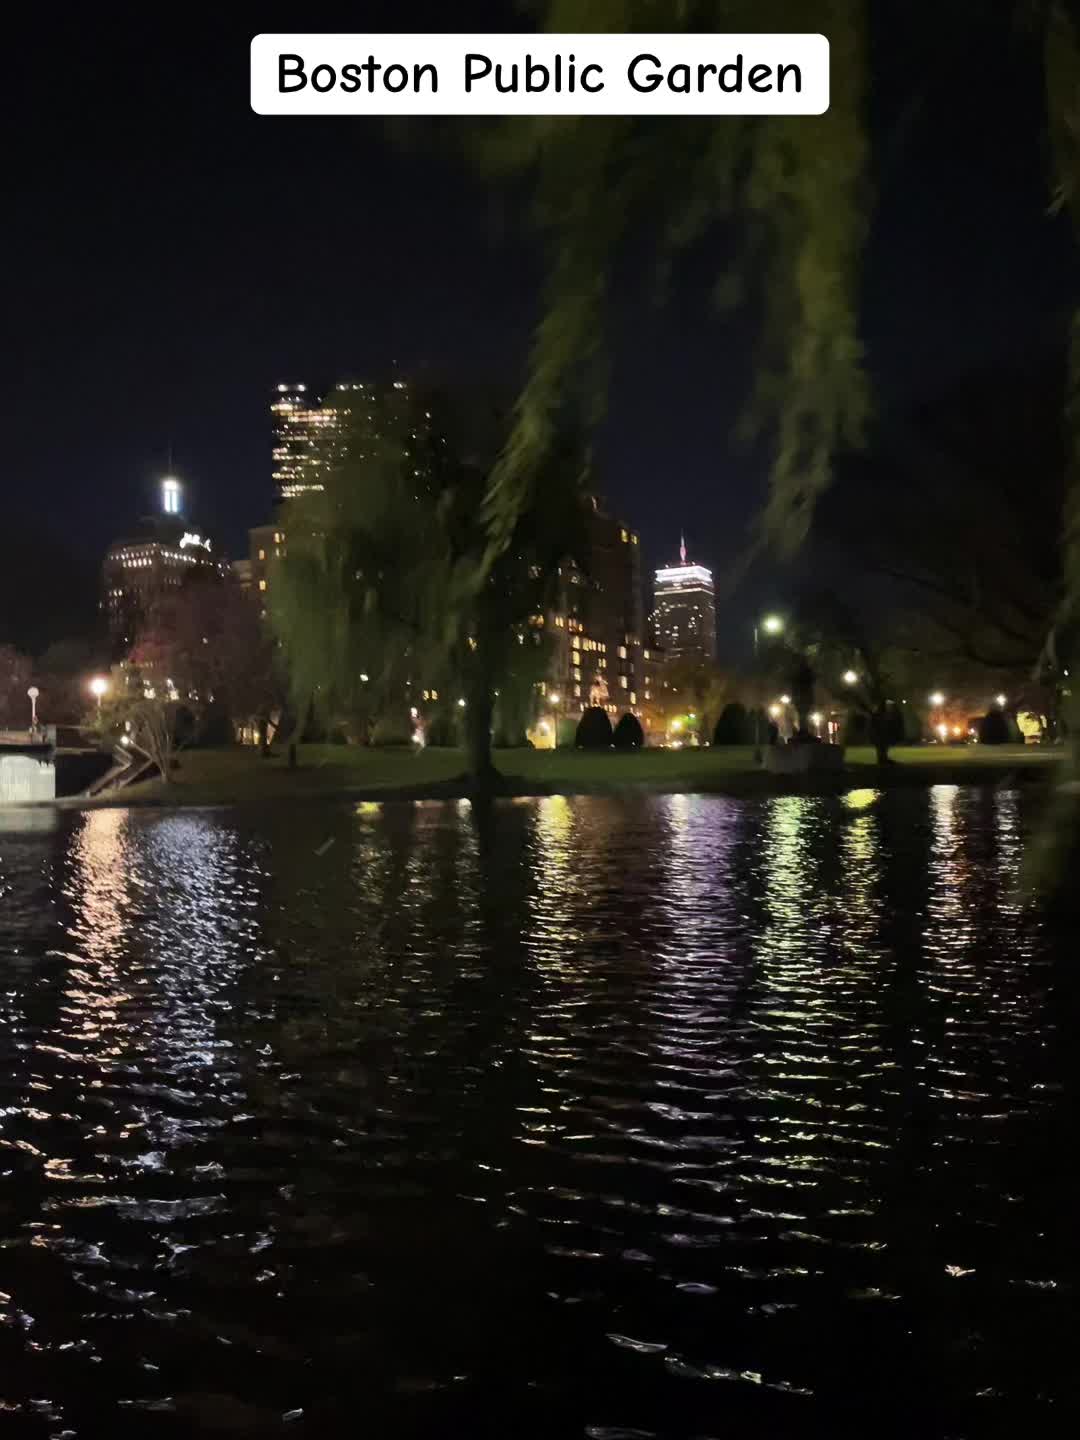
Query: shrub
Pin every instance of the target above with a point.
(443, 729)
(628, 733)
(994, 728)
(391, 730)
(735, 726)
(594, 730)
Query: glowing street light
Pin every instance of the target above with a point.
(850, 677)
(774, 711)
(98, 688)
(1003, 700)
(785, 699)
(32, 695)
(554, 699)
(772, 625)
(937, 699)
(462, 704)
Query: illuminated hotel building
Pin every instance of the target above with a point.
(140, 572)
(600, 653)
(301, 426)
(684, 617)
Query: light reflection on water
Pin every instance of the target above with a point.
(673, 1116)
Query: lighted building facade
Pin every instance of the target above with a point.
(312, 437)
(139, 572)
(684, 614)
(600, 653)
(266, 544)
(301, 428)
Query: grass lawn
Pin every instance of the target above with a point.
(208, 777)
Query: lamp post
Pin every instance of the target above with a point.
(32, 695)
(772, 625)
(98, 686)
(555, 698)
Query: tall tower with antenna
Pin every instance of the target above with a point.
(684, 617)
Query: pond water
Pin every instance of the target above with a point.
(670, 1116)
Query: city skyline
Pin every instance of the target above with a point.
(176, 343)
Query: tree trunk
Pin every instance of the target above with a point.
(879, 735)
(478, 717)
(303, 716)
(802, 688)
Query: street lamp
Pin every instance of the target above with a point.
(554, 698)
(772, 625)
(1003, 700)
(937, 699)
(32, 695)
(98, 687)
(850, 677)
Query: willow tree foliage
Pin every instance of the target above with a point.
(370, 601)
(796, 188)
(795, 182)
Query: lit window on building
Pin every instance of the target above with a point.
(262, 584)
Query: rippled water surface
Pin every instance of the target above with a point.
(675, 1116)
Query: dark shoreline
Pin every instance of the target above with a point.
(736, 784)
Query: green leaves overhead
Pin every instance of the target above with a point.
(794, 187)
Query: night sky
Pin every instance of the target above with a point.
(170, 256)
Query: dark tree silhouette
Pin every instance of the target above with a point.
(594, 730)
(735, 726)
(628, 733)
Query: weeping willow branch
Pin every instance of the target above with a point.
(795, 188)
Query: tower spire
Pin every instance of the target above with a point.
(682, 549)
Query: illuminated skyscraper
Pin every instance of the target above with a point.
(684, 617)
(314, 438)
(301, 425)
(142, 571)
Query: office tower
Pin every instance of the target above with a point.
(139, 572)
(684, 614)
(301, 426)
